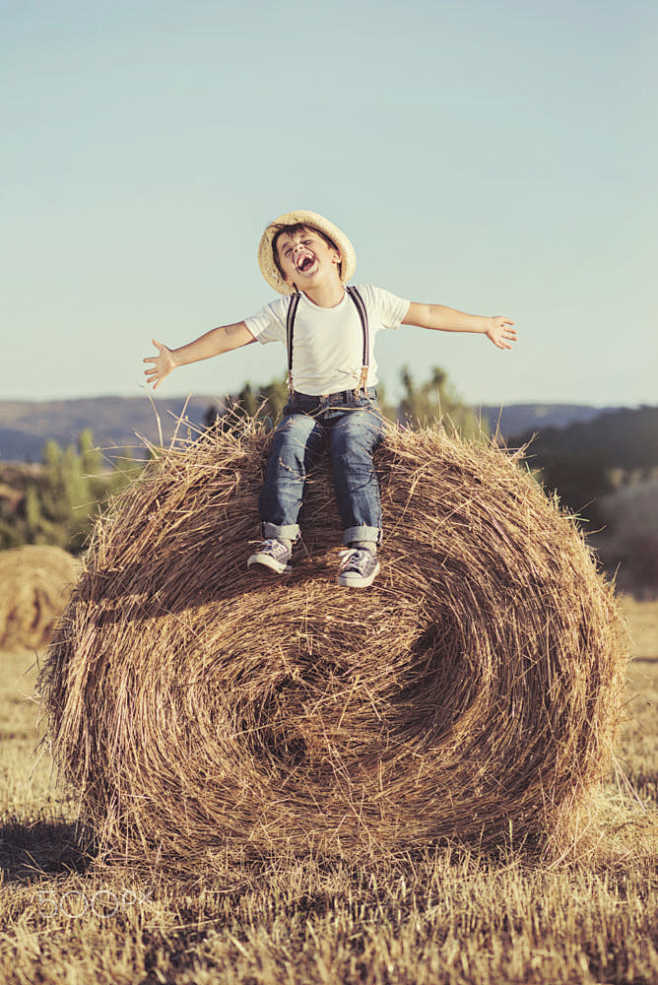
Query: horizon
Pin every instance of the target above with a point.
(207, 396)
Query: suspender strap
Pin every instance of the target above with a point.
(365, 358)
(290, 329)
(363, 315)
(363, 318)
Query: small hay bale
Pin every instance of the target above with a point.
(35, 586)
(472, 692)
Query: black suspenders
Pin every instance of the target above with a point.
(290, 328)
(363, 317)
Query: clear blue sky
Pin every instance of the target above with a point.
(498, 158)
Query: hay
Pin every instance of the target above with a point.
(35, 585)
(472, 692)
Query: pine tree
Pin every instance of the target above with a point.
(436, 402)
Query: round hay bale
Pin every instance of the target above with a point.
(35, 585)
(470, 693)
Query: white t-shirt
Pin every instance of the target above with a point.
(328, 342)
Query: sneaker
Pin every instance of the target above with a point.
(358, 569)
(272, 554)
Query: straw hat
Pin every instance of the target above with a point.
(266, 262)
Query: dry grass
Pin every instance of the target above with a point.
(35, 584)
(429, 918)
(471, 693)
(642, 619)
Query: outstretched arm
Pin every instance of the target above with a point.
(442, 319)
(213, 343)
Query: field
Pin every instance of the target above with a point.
(446, 916)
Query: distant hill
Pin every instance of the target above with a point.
(26, 425)
(516, 419)
(20, 446)
(623, 438)
(588, 460)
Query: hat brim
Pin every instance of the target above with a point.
(268, 267)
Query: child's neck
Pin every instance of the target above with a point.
(326, 295)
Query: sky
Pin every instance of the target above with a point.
(495, 157)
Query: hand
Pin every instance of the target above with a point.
(164, 363)
(499, 332)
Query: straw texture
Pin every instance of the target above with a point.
(35, 584)
(472, 692)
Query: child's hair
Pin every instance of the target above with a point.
(299, 227)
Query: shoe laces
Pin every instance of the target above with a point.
(273, 546)
(352, 557)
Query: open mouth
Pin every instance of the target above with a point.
(305, 262)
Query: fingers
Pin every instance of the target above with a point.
(155, 374)
(503, 334)
(503, 338)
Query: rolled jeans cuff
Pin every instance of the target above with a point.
(289, 531)
(369, 535)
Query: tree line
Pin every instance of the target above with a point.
(58, 502)
(421, 405)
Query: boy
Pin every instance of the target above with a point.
(329, 330)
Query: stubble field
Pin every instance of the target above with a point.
(445, 916)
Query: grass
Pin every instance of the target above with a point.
(442, 916)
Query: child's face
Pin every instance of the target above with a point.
(306, 259)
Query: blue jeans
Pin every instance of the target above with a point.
(351, 427)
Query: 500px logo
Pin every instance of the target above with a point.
(103, 903)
